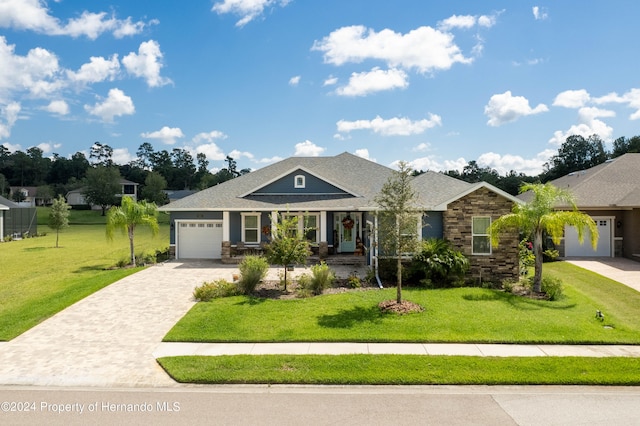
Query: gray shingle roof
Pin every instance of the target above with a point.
(615, 183)
(356, 174)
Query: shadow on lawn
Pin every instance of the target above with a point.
(348, 318)
(519, 302)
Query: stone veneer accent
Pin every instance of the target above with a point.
(503, 262)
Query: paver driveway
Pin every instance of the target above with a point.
(107, 339)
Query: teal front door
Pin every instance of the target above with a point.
(348, 231)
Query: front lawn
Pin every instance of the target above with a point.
(37, 280)
(451, 315)
(402, 370)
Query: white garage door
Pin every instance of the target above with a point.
(574, 248)
(199, 240)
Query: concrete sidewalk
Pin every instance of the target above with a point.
(473, 349)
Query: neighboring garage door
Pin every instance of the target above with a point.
(573, 247)
(199, 240)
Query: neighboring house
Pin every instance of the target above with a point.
(333, 199)
(610, 194)
(29, 198)
(76, 196)
(15, 220)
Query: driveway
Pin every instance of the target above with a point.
(623, 270)
(108, 338)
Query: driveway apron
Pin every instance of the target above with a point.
(107, 339)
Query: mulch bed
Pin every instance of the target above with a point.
(274, 290)
(404, 307)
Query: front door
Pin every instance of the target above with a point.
(347, 226)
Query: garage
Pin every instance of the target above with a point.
(573, 248)
(199, 239)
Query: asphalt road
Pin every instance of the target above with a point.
(322, 405)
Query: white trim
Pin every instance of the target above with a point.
(226, 225)
(301, 179)
(243, 236)
(481, 235)
(323, 225)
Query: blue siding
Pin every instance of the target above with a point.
(286, 185)
(187, 216)
(432, 225)
(235, 226)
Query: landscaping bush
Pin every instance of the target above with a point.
(253, 269)
(215, 289)
(322, 277)
(438, 264)
(526, 257)
(552, 287)
(550, 255)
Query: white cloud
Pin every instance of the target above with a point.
(97, 70)
(430, 163)
(308, 149)
(505, 108)
(146, 63)
(423, 147)
(208, 136)
(11, 147)
(424, 49)
(572, 99)
(247, 9)
(117, 104)
(503, 164)
(166, 135)
(47, 147)
(330, 81)
(122, 156)
(540, 13)
(294, 81)
(8, 117)
(364, 153)
(364, 83)
(37, 73)
(212, 151)
(33, 15)
(391, 127)
(589, 125)
(457, 21)
(57, 107)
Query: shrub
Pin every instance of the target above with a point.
(253, 269)
(145, 258)
(438, 264)
(215, 289)
(552, 287)
(550, 255)
(304, 285)
(353, 281)
(322, 276)
(526, 257)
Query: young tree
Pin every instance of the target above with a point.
(398, 219)
(129, 215)
(59, 215)
(287, 246)
(101, 186)
(538, 216)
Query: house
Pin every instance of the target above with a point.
(610, 194)
(15, 220)
(76, 198)
(333, 199)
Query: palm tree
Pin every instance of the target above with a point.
(539, 216)
(129, 215)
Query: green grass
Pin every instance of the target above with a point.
(469, 315)
(402, 370)
(86, 217)
(39, 280)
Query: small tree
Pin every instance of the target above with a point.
(129, 215)
(59, 215)
(539, 216)
(287, 246)
(398, 219)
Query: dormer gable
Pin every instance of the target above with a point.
(299, 181)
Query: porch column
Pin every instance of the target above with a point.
(1, 226)
(226, 231)
(274, 222)
(323, 225)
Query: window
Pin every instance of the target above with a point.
(307, 225)
(481, 243)
(299, 181)
(251, 228)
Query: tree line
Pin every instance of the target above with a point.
(154, 170)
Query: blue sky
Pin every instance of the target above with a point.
(436, 84)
